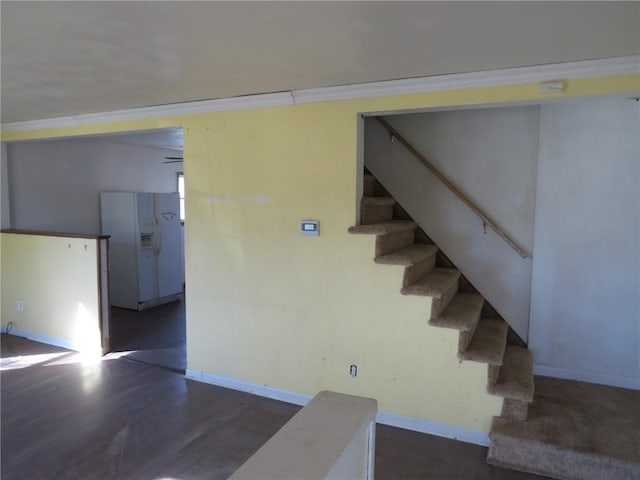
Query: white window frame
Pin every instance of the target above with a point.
(180, 189)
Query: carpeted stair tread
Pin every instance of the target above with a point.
(434, 284)
(462, 313)
(488, 343)
(383, 228)
(515, 379)
(409, 255)
(378, 201)
(575, 430)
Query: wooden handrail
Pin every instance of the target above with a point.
(447, 183)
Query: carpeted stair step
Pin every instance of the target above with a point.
(514, 409)
(434, 284)
(508, 450)
(409, 255)
(515, 377)
(441, 284)
(463, 314)
(418, 260)
(369, 185)
(376, 210)
(383, 228)
(488, 343)
(576, 430)
(379, 201)
(391, 236)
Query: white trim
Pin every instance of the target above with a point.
(434, 428)
(248, 387)
(385, 418)
(611, 380)
(508, 76)
(58, 342)
(185, 108)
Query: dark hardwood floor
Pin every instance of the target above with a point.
(156, 336)
(65, 418)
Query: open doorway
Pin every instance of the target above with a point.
(55, 186)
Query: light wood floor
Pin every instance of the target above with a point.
(118, 419)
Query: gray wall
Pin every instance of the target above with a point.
(491, 155)
(55, 185)
(585, 314)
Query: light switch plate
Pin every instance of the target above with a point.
(310, 228)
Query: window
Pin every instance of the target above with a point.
(181, 194)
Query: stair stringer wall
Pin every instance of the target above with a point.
(496, 270)
(407, 363)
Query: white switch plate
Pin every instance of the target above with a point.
(310, 228)
(21, 305)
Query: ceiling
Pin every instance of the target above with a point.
(69, 58)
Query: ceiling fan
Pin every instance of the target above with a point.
(174, 160)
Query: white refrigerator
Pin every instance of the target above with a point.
(145, 255)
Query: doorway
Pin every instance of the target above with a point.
(55, 186)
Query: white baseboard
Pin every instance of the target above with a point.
(37, 337)
(612, 381)
(434, 428)
(247, 387)
(392, 419)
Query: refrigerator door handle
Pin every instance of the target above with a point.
(157, 231)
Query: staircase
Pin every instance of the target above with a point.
(521, 438)
(455, 303)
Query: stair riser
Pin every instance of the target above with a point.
(492, 374)
(465, 356)
(391, 242)
(375, 214)
(439, 304)
(515, 379)
(465, 337)
(418, 270)
(514, 409)
(369, 186)
(497, 389)
(488, 344)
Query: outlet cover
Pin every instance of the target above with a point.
(21, 305)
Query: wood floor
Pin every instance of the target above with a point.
(119, 419)
(156, 336)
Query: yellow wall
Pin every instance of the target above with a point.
(57, 278)
(268, 306)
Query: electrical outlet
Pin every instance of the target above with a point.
(21, 305)
(353, 370)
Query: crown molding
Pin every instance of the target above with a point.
(490, 78)
(174, 109)
(508, 76)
